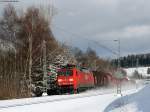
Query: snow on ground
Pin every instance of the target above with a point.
(141, 70)
(90, 101)
(137, 102)
(89, 104)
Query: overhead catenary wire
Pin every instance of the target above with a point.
(83, 37)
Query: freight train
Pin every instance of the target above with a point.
(73, 79)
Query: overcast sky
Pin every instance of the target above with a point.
(78, 22)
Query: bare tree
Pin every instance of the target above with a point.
(23, 36)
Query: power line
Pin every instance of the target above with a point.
(77, 35)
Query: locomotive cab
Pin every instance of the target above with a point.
(65, 77)
(66, 80)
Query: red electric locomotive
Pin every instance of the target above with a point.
(73, 79)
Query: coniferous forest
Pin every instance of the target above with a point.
(142, 60)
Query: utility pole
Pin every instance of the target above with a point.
(30, 53)
(44, 65)
(30, 61)
(119, 84)
(119, 71)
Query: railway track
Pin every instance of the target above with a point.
(71, 97)
(49, 99)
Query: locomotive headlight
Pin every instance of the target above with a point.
(60, 80)
(71, 79)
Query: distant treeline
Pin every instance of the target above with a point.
(133, 60)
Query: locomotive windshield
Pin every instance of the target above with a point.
(65, 72)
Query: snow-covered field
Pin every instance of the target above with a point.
(141, 70)
(137, 102)
(90, 101)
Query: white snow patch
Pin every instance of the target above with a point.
(137, 102)
(141, 70)
(127, 108)
(83, 102)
